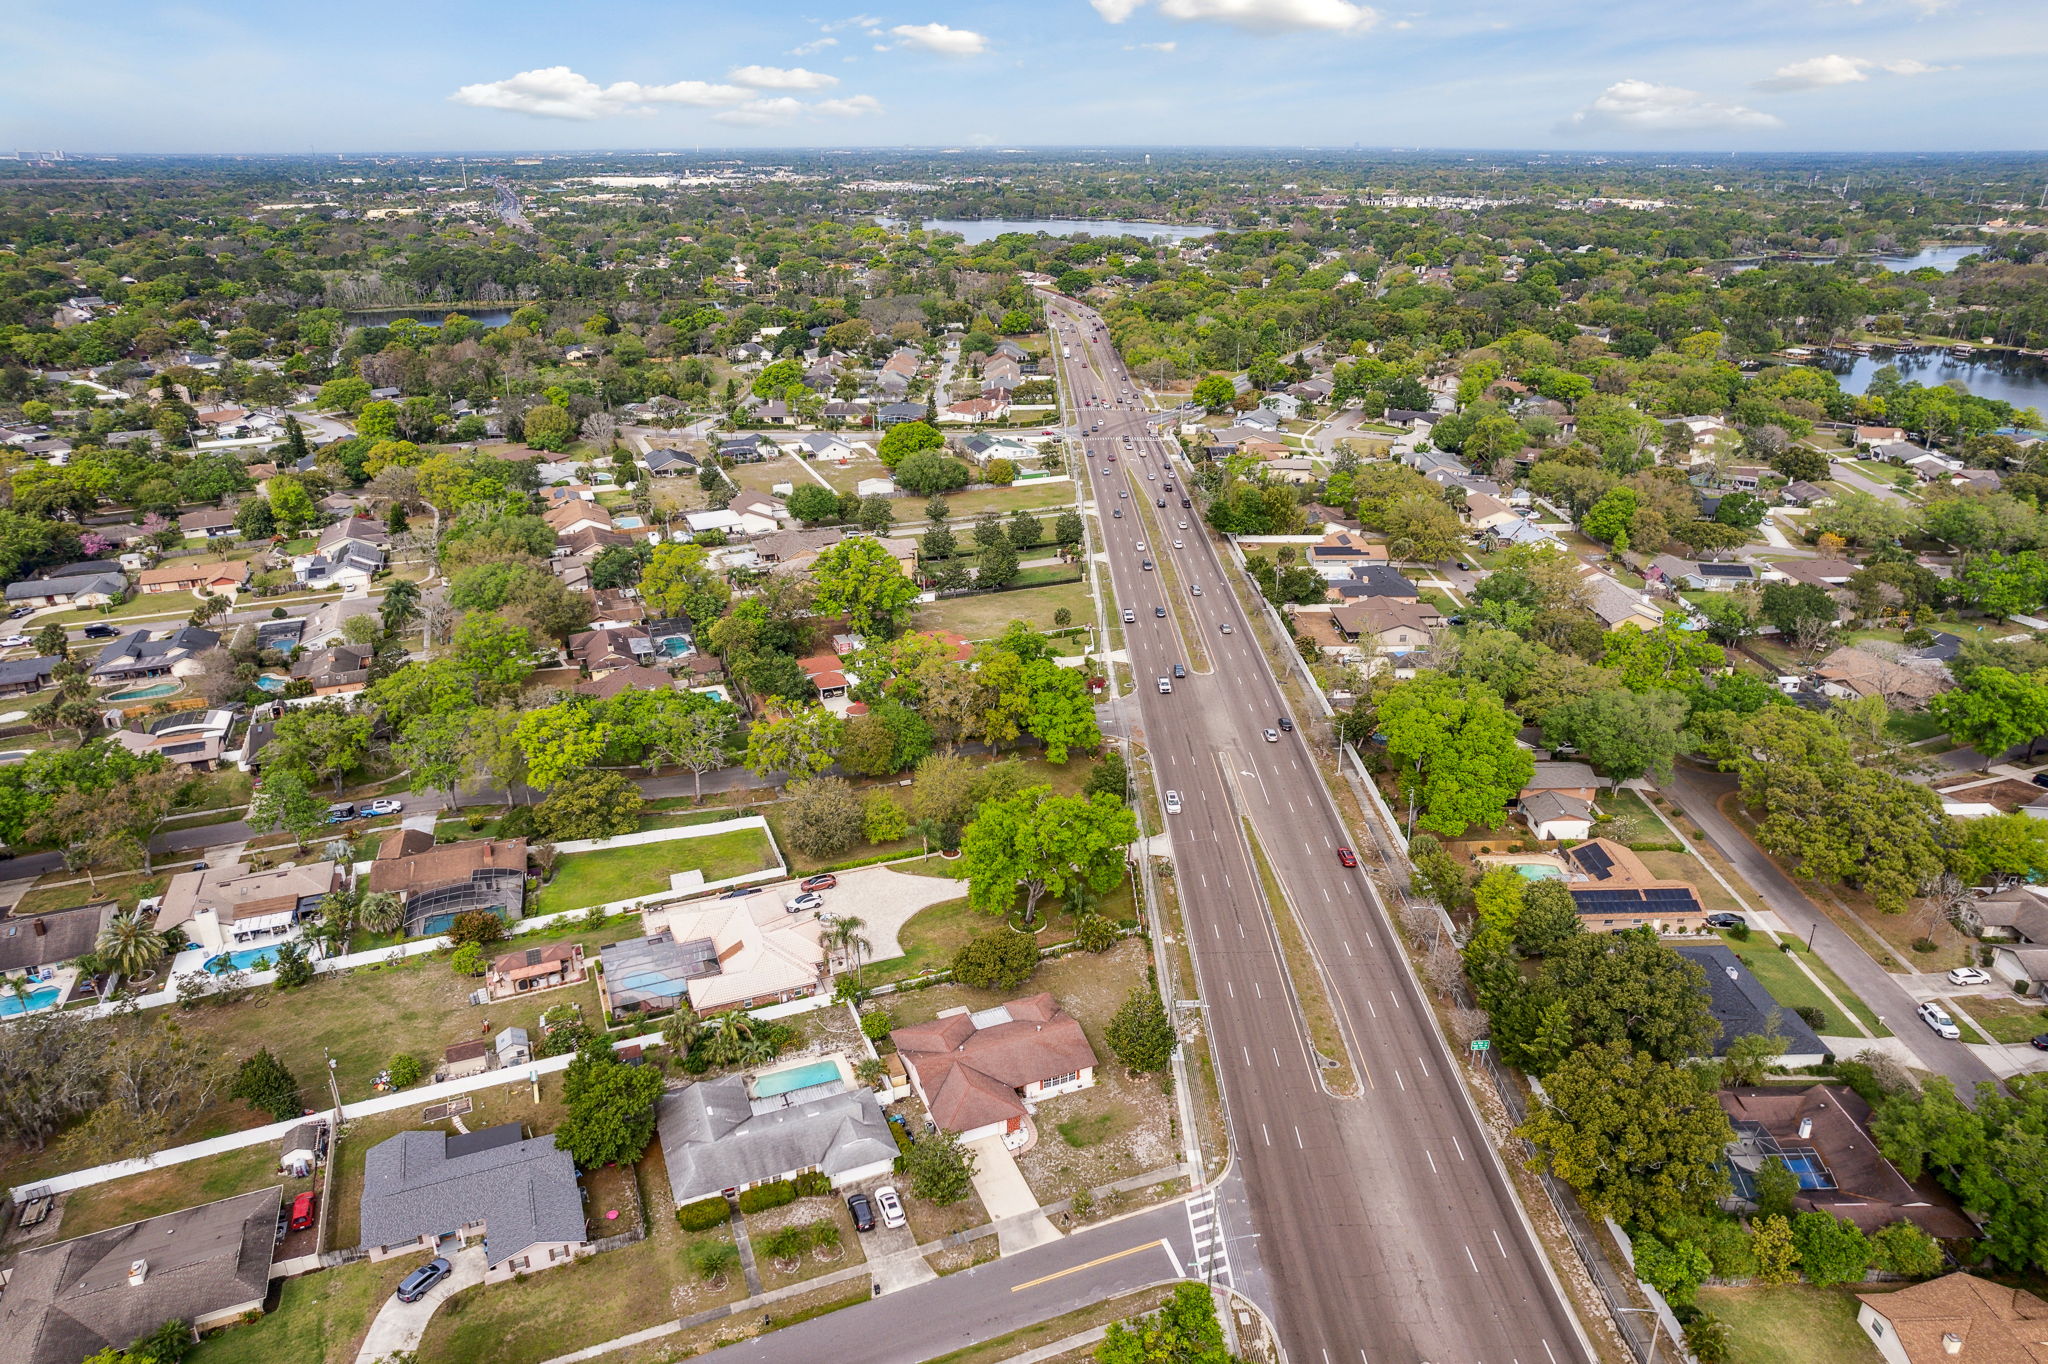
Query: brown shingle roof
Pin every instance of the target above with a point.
(1997, 1325)
(445, 864)
(970, 1075)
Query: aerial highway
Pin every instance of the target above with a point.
(1386, 1229)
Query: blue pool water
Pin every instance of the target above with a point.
(146, 693)
(269, 683)
(1531, 871)
(673, 646)
(798, 1077)
(37, 999)
(628, 522)
(246, 959)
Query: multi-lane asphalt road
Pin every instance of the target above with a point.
(1386, 1228)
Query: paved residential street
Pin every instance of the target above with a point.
(1695, 793)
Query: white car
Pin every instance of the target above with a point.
(13, 641)
(1183, 525)
(1176, 544)
(891, 1207)
(1141, 546)
(386, 806)
(1968, 975)
(809, 900)
(1196, 589)
(1130, 617)
(1173, 802)
(1936, 1018)
(1272, 736)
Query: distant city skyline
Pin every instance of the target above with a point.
(1576, 75)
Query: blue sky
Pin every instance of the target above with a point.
(1595, 74)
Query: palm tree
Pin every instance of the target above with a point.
(380, 911)
(130, 945)
(870, 1071)
(845, 935)
(731, 1039)
(681, 1030)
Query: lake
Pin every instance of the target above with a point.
(1942, 258)
(979, 230)
(384, 317)
(2021, 380)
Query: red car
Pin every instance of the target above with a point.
(1347, 857)
(302, 1211)
(822, 882)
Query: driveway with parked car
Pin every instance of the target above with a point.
(399, 1325)
(883, 900)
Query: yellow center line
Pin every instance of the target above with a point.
(1061, 1274)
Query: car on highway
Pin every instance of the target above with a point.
(1183, 525)
(1272, 736)
(1286, 725)
(1107, 470)
(892, 1208)
(1177, 545)
(1122, 492)
(414, 1286)
(384, 806)
(808, 902)
(1346, 857)
(1159, 612)
(1196, 589)
(862, 1210)
(1967, 975)
(1173, 802)
(1117, 512)
(1935, 1017)
(1146, 565)
(1724, 921)
(1130, 616)
(13, 641)
(1225, 627)
(1184, 502)
(1165, 687)
(1159, 501)
(1141, 546)
(1180, 670)
(1168, 485)
(1150, 476)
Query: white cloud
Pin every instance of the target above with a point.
(1150, 47)
(853, 106)
(948, 42)
(558, 92)
(1258, 16)
(866, 21)
(814, 45)
(780, 78)
(1644, 106)
(1816, 72)
(762, 112)
(1913, 66)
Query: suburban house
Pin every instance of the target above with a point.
(511, 1047)
(533, 969)
(222, 578)
(2015, 923)
(348, 553)
(718, 1137)
(980, 1073)
(669, 463)
(1557, 803)
(826, 445)
(895, 414)
(1616, 604)
(633, 677)
(1369, 580)
(188, 738)
(135, 655)
(226, 908)
(324, 624)
(1683, 575)
(1388, 625)
(436, 882)
(1851, 671)
(208, 1266)
(1956, 1317)
(334, 671)
(34, 948)
(827, 672)
(1522, 532)
(26, 676)
(988, 408)
(1484, 512)
(759, 514)
(1743, 1007)
(83, 584)
(518, 1193)
(717, 955)
(572, 516)
(983, 449)
(1823, 1135)
(1877, 435)
(209, 523)
(605, 651)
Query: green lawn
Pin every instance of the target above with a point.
(125, 888)
(1791, 988)
(320, 1318)
(171, 1187)
(930, 939)
(1792, 1324)
(984, 615)
(596, 878)
(1050, 498)
(149, 604)
(2006, 1020)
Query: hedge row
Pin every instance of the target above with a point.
(704, 1214)
(812, 1184)
(773, 1194)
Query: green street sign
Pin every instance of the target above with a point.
(1482, 1045)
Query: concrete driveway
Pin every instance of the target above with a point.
(399, 1325)
(1011, 1205)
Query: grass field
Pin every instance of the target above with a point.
(985, 615)
(2006, 1020)
(596, 878)
(124, 888)
(187, 1185)
(1791, 987)
(1792, 1324)
(968, 503)
(320, 1318)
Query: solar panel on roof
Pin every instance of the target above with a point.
(1594, 859)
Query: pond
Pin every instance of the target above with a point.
(2021, 380)
(429, 317)
(979, 230)
(1942, 258)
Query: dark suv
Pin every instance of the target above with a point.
(863, 1211)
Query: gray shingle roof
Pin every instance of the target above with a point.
(425, 1183)
(713, 1138)
(1742, 1006)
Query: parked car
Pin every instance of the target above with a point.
(340, 813)
(302, 1210)
(18, 612)
(892, 1208)
(1724, 921)
(802, 903)
(2040, 1041)
(1346, 857)
(822, 881)
(13, 641)
(740, 892)
(414, 1286)
(1968, 975)
(385, 806)
(1935, 1017)
(2041, 779)
(862, 1210)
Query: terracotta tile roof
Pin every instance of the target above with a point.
(206, 572)
(439, 866)
(970, 1074)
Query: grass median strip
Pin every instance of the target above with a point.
(1309, 986)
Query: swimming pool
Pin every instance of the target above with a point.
(37, 999)
(146, 693)
(628, 522)
(246, 959)
(673, 646)
(269, 682)
(1536, 871)
(796, 1077)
